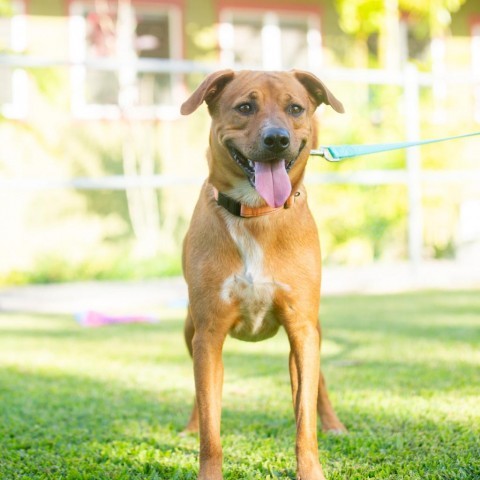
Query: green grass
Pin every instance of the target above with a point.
(403, 372)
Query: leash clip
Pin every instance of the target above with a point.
(325, 153)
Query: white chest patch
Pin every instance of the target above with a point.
(252, 287)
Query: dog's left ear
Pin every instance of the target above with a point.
(207, 91)
(318, 90)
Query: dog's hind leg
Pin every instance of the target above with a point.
(328, 417)
(189, 331)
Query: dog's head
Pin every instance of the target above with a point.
(262, 129)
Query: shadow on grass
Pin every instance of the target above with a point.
(58, 426)
(435, 315)
(55, 424)
(66, 426)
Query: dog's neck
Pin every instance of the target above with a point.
(243, 210)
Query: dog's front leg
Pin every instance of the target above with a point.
(208, 370)
(304, 371)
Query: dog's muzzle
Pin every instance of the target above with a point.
(248, 166)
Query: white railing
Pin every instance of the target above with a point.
(410, 81)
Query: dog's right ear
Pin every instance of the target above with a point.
(207, 91)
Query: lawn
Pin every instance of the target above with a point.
(110, 403)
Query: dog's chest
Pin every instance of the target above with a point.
(251, 287)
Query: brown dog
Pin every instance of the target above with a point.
(251, 256)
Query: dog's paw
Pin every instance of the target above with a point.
(210, 471)
(191, 427)
(334, 426)
(335, 430)
(313, 474)
(309, 468)
(321, 477)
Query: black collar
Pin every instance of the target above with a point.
(245, 211)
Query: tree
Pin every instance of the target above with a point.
(5, 7)
(363, 18)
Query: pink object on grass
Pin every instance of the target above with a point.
(96, 319)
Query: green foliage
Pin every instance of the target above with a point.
(5, 7)
(105, 264)
(364, 17)
(52, 84)
(110, 403)
(361, 17)
(362, 223)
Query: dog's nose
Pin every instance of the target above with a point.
(276, 139)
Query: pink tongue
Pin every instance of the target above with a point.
(272, 182)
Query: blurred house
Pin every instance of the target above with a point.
(269, 34)
(91, 89)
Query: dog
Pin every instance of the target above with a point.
(251, 257)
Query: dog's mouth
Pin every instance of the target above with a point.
(248, 166)
(268, 176)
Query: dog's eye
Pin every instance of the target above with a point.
(245, 108)
(295, 110)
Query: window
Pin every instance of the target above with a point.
(414, 41)
(13, 81)
(270, 40)
(108, 38)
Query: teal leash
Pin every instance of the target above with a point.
(337, 153)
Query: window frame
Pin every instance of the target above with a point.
(83, 109)
(271, 22)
